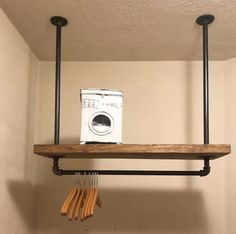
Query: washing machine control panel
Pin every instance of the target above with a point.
(97, 104)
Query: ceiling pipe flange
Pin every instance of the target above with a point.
(59, 21)
(205, 19)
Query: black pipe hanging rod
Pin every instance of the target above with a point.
(60, 172)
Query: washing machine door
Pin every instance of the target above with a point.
(101, 123)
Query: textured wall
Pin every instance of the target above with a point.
(162, 104)
(127, 30)
(18, 73)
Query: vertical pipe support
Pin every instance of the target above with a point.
(205, 84)
(204, 20)
(59, 22)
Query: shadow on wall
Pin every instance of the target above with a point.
(189, 114)
(123, 211)
(21, 193)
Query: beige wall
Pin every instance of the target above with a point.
(162, 104)
(230, 136)
(18, 74)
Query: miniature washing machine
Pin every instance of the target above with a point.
(101, 120)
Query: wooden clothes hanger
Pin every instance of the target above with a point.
(66, 204)
(81, 199)
(88, 207)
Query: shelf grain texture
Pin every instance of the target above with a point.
(134, 151)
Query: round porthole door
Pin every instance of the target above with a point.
(101, 123)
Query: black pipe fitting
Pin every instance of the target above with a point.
(55, 168)
(206, 169)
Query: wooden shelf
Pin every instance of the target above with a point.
(134, 151)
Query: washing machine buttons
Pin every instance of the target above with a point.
(91, 103)
(112, 104)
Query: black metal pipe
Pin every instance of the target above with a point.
(205, 84)
(132, 172)
(57, 86)
(204, 20)
(59, 22)
(60, 172)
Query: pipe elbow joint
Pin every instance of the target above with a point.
(56, 171)
(206, 171)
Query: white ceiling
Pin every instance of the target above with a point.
(125, 30)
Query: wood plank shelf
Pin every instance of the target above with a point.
(135, 151)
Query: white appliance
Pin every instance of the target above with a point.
(101, 119)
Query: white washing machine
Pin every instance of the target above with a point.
(101, 117)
